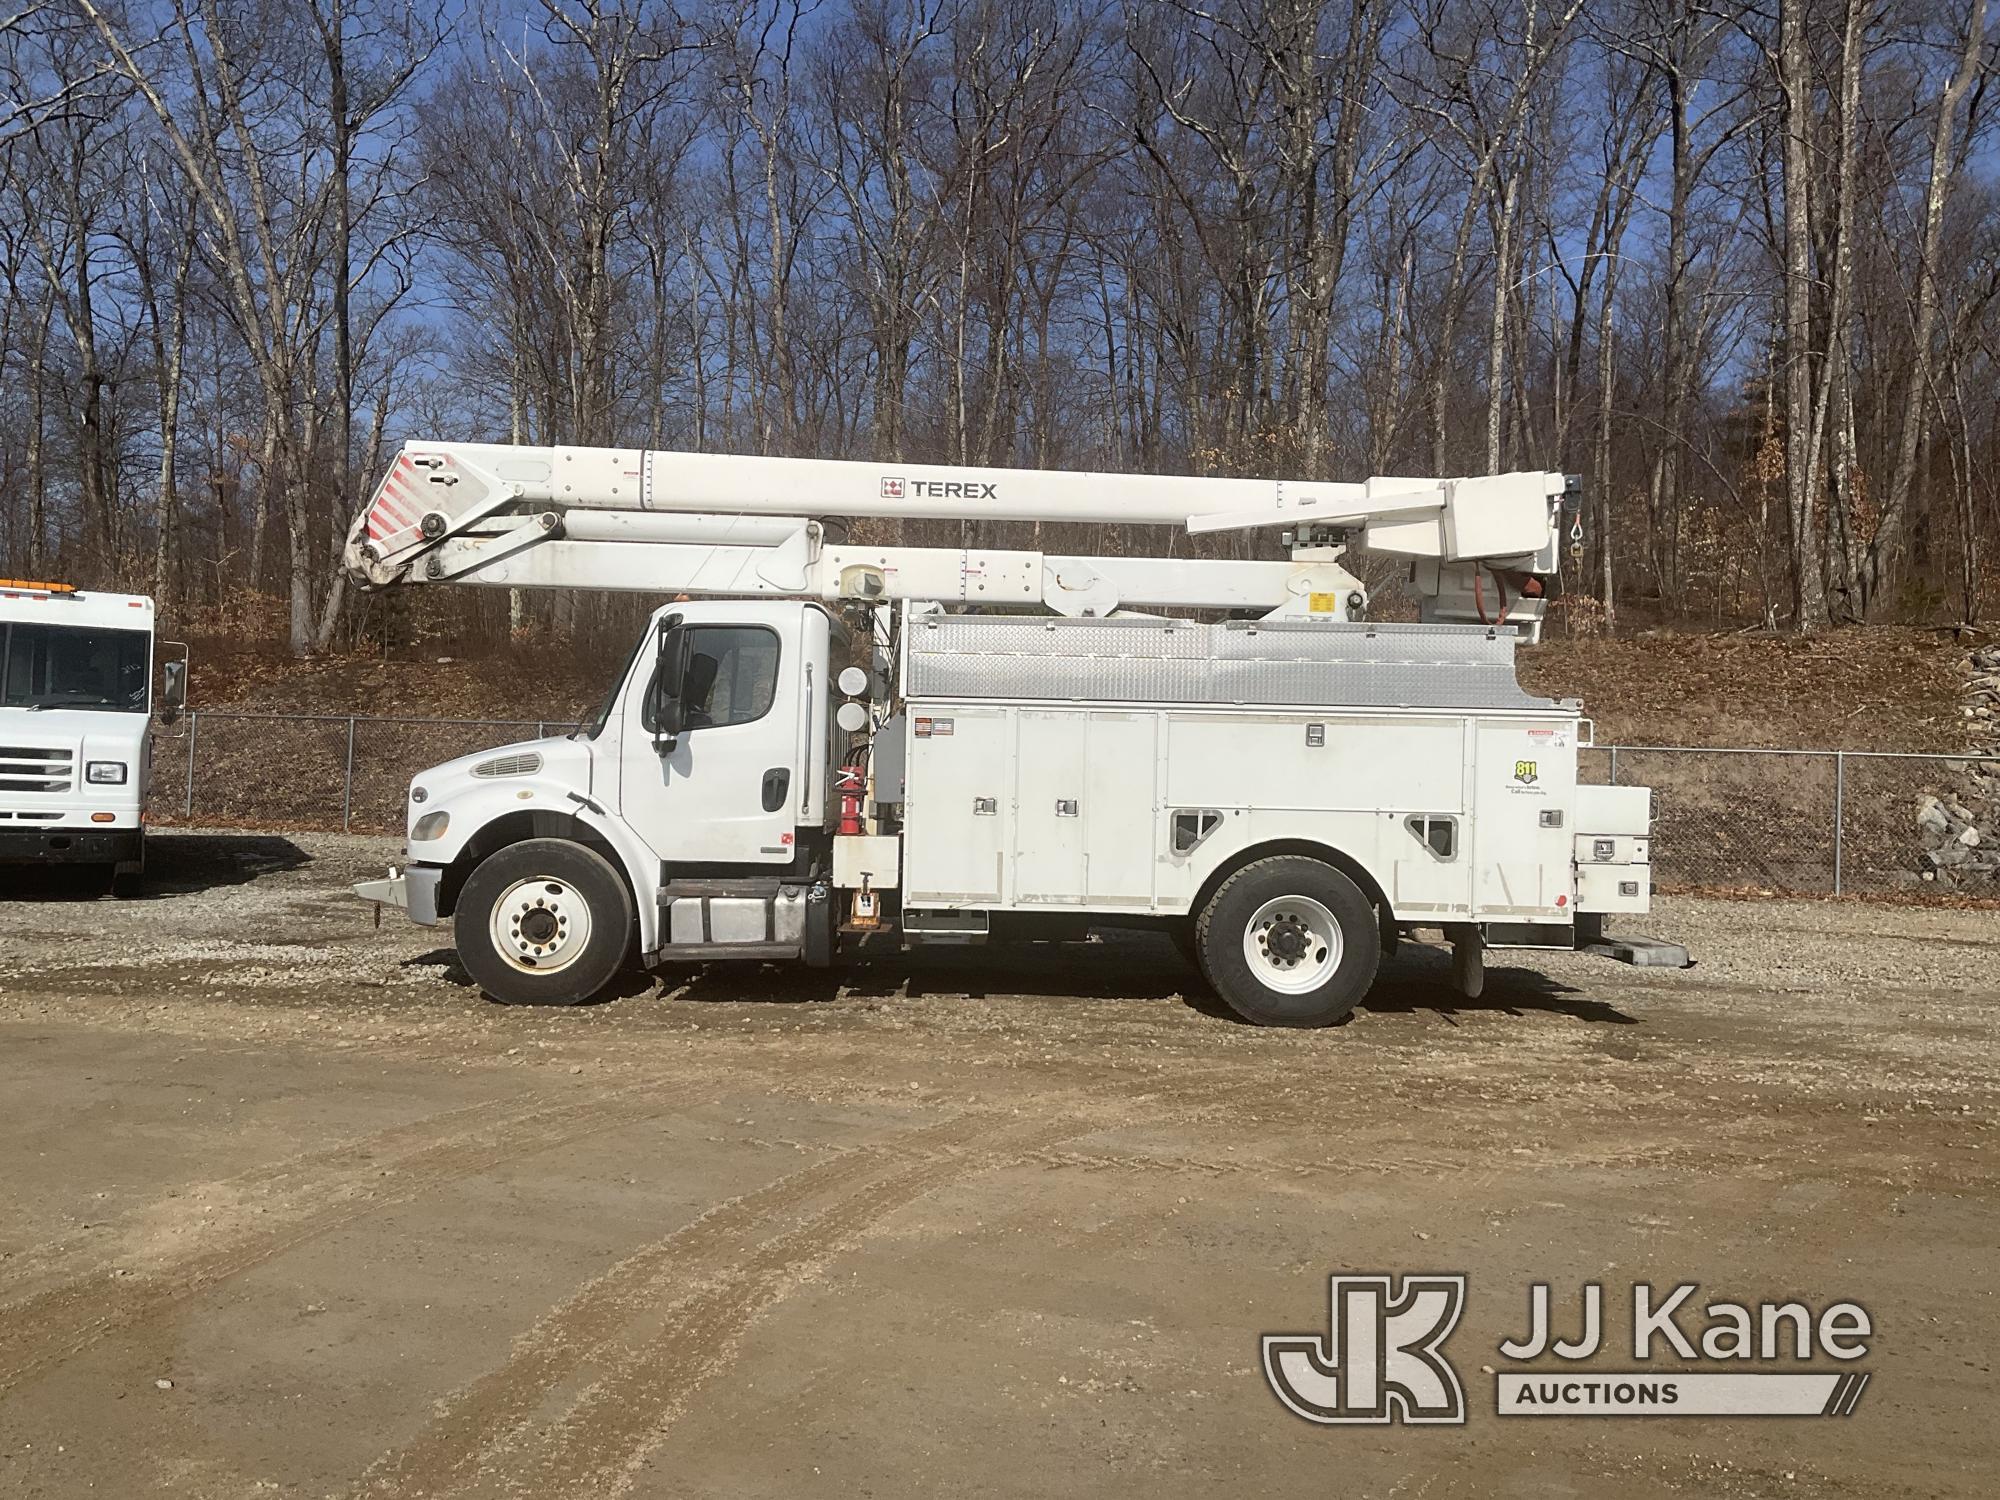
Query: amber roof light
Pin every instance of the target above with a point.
(29, 583)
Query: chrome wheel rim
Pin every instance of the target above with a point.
(1292, 944)
(540, 925)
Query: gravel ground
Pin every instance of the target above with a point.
(291, 1209)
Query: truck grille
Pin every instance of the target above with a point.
(36, 769)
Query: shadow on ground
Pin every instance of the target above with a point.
(624, 986)
(176, 865)
(1123, 967)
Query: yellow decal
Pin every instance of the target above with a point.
(1323, 604)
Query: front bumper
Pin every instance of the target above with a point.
(70, 846)
(414, 889)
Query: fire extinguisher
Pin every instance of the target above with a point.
(849, 780)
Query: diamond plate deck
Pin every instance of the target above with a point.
(1279, 664)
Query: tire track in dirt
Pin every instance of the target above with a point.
(742, 1258)
(52, 1325)
(354, 1157)
(485, 1415)
(602, 1442)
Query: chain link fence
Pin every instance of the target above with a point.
(1795, 822)
(308, 773)
(1811, 822)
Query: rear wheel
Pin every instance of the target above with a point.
(543, 922)
(1290, 941)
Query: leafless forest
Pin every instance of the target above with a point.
(1736, 264)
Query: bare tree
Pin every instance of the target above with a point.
(1876, 569)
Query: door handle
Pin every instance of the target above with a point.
(777, 781)
(1066, 807)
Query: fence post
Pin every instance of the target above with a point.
(347, 785)
(1839, 807)
(1614, 765)
(187, 799)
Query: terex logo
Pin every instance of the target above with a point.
(952, 489)
(895, 487)
(1380, 1361)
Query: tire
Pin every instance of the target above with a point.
(128, 876)
(1316, 936)
(565, 894)
(1183, 934)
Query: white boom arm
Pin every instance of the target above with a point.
(695, 523)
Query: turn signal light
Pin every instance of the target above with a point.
(103, 817)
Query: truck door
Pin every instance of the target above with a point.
(728, 790)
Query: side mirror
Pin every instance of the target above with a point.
(173, 688)
(669, 707)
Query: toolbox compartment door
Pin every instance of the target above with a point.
(1524, 778)
(1048, 817)
(958, 805)
(1121, 809)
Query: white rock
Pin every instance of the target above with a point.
(1931, 818)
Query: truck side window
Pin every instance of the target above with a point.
(732, 676)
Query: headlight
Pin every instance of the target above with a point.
(105, 772)
(430, 826)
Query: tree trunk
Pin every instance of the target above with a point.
(1496, 349)
(1801, 462)
(1877, 567)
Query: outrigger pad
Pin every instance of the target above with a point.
(1645, 952)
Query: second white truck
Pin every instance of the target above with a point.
(76, 704)
(846, 749)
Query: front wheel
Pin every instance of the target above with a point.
(1290, 941)
(543, 922)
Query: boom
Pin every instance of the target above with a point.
(667, 522)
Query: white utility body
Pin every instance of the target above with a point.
(75, 708)
(878, 742)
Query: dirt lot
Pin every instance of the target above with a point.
(290, 1209)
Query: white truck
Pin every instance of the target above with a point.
(849, 743)
(76, 700)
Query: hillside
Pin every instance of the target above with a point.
(1876, 689)
(521, 684)
(1883, 688)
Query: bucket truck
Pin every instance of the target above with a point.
(830, 742)
(76, 673)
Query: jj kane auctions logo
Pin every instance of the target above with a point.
(1382, 1357)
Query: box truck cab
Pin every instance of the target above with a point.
(76, 671)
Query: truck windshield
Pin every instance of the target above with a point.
(593, 725)
(74, 666)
